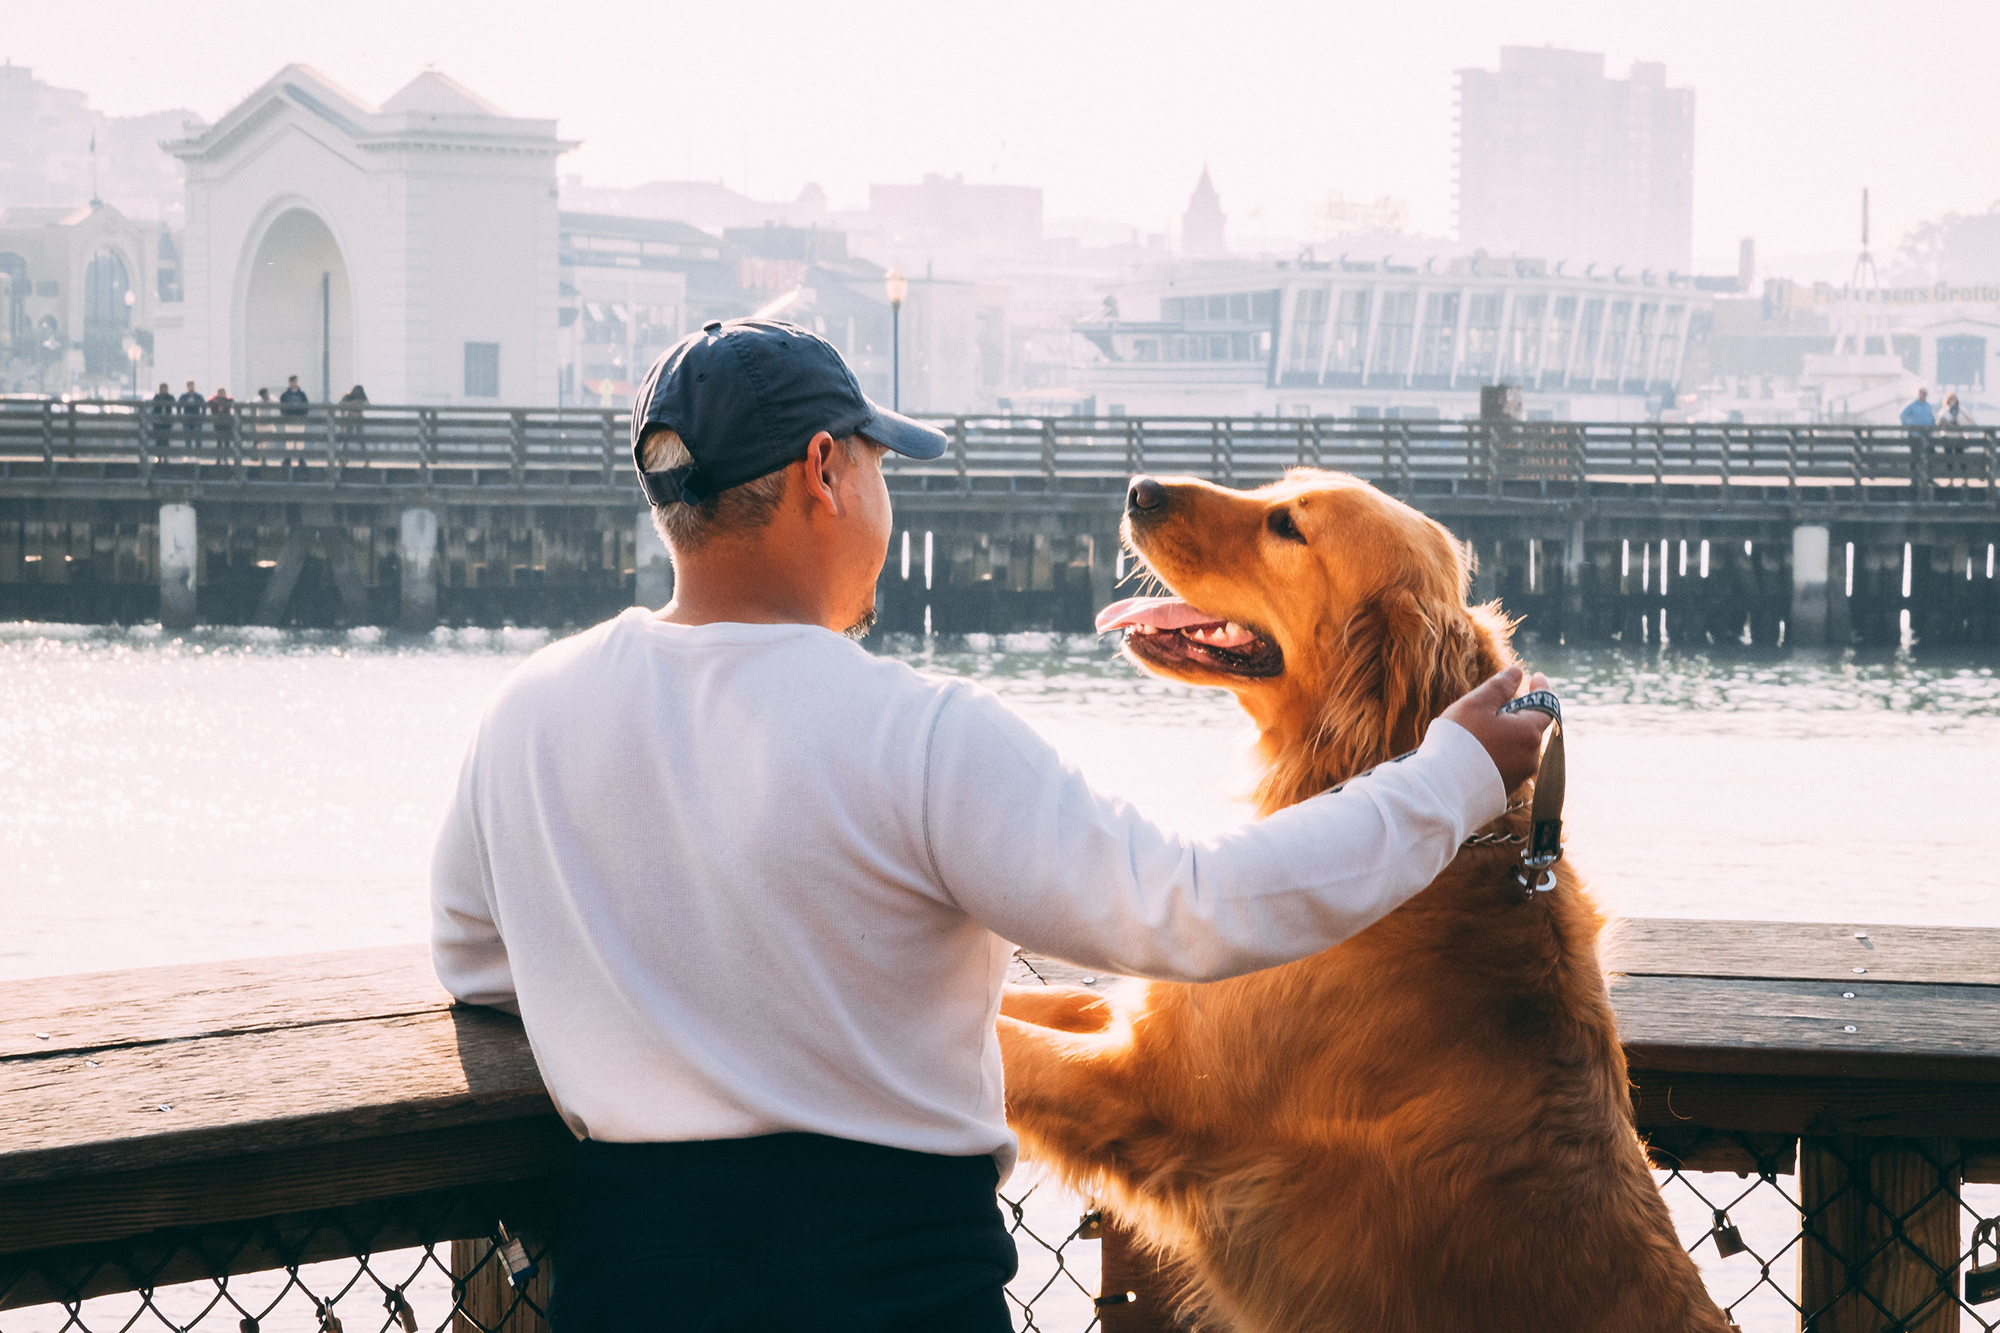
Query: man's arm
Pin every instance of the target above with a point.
(466, 949)
(1025, 846)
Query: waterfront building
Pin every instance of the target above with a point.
(624, 299)
(80, 289)
(1821, 352)
(1203, 224)
(410, 247)
(1556, 159)
(1382, 339)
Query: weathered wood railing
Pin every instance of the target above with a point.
(87, 446)
(184, 1123)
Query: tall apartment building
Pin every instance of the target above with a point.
(1557, 161)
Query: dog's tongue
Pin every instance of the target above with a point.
(1160, 613)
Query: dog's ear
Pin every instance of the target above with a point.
(1399, 663)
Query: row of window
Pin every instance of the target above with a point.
(1240, 307)
(1564, 337)
(1204, 347)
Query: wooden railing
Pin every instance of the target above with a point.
(49, 443)
(184, 1124)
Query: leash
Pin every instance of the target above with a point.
(1543, 846)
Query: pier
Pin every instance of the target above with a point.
(189, 1124)
(420, 516)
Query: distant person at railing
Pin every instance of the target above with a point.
(161, 411)
(294, 403)
(222, 420)
(1920, 413)
(193, 408)
(352, 405)
(1953, 415)
(751, 888)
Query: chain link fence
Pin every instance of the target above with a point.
(1860, 1234)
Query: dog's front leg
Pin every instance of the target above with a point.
(1065, 1008)
(1082, 1103)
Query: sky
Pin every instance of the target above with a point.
(1114, 107)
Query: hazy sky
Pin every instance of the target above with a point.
(1113, 107)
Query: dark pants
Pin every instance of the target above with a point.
(783, 1233)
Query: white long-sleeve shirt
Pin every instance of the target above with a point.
(743, 879)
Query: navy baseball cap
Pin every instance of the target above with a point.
(746, 396)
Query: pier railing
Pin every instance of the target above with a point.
(87, 447)
(308, 1142)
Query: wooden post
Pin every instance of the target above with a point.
(487, 1302)
(1880, 1242)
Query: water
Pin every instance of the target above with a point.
(232, 792)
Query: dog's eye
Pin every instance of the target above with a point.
(1281, 525)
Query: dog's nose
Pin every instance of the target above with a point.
(1144, 496)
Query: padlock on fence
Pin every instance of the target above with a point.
(1090, 1226)
(329, 1322)
(394, 1303)
(1982, 1282)
(1728, 1240)
(521, 1269)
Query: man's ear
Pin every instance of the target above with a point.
(821, 471)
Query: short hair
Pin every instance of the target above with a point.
(742, 508)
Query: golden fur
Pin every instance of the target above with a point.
(1427, 1129)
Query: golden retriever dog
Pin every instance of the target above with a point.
(1427, 1129)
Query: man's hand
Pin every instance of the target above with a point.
(1512, 740)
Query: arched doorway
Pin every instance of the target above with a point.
(298, 315)
(107, 314)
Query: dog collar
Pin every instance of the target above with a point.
(1544, 846)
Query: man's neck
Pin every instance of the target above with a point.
(744, 583)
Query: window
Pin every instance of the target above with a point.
(15, 288)
(1440, 334)
(1350, 334)
(1263, 306)
(1909, 347)
(1614, 340)
(1392, 335)
(1482, 335)
(1562, 324)
(1308, 329)
(482, 370)
(1521, 352)
(1218, 307)
(1589, 334)
(1961, 361)
(1239, 306)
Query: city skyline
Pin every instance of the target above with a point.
(1115, 119)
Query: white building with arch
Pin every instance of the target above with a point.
(409, 248)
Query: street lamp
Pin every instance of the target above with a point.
(898, 287)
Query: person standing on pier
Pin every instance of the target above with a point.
(1920, 414)
(161, 411)
(222, 421)
(193, 408)
(752, 889)
(293, 406)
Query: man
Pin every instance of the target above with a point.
(1920, 413)
(293, 404)
(751, 888)
(193, 408)
(162, 413)
(222, 419)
